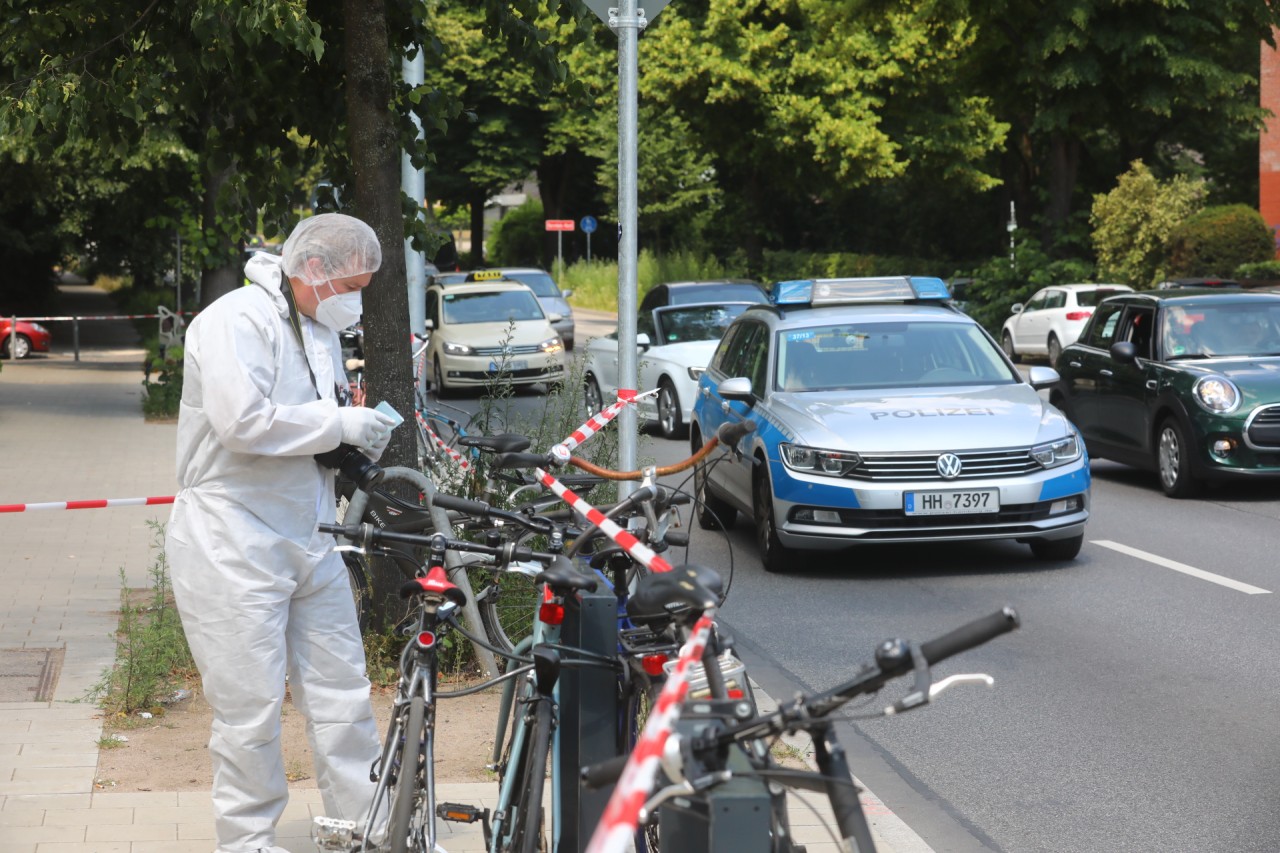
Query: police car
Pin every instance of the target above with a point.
(884, 414)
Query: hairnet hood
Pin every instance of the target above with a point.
(330, 246)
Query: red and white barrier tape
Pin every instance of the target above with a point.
(595, 423)
(439, 442)
(638, 551)
(616, 831)
(104, 317)
(112, 502)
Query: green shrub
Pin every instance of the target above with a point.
(997, 284)
(1218, 239)
(162, 398)
(595, 283)
(1267, 270)
(1132, 224)
(788, 265)
(517, 238)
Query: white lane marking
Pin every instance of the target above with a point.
(1238, 586)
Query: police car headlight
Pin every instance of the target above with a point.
(1058, 452)
(458, 349)
(832, 463)
(1216, 394)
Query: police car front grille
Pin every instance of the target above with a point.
(523, 349)
(1264, 428)
(975, 465)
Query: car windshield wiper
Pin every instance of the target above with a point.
(1187, 355)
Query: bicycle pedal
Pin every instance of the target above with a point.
(459, 813)
(333, 834)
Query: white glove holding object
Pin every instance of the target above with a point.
(363, 428)
(375, 451)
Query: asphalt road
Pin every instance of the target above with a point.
(1132, 711)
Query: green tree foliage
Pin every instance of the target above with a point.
(517, 238)
(1217, 240)
(1133, 224)
(1089, 85)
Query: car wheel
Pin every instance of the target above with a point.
(1057, 549)
(1006, 343)
(19, 347)
(775, 556)
(1055, 349)
(669, 418)
(437, 379)
(1173, 460)
(713, 513)
(591, 397)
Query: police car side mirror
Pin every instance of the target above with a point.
(1043, 377)
(736, 390)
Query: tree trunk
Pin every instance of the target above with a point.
(375, 165)
(477, 229)
(1064, 166)
(218, 281)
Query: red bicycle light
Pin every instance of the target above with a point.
(652, 664)
(735, 694)
(551, 613)
(426, 639)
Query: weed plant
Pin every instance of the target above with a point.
(152, 656)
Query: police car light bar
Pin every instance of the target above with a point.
(834, 291)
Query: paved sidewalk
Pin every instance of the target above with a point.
(74, 431)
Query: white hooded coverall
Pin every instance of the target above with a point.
(258, 589)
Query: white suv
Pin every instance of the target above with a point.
(1053, 318)
(477, 330)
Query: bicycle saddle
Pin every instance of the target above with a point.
(563, 575)
(691, 585)
(436, 581)
(507, 442)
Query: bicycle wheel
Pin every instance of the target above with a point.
(507, 605)
(404, 832)
(527, 837)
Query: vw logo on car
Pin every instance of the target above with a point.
(949, 466)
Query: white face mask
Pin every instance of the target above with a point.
(339, 310)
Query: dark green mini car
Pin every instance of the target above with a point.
(1182, 382)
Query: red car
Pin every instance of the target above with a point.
(32, 337)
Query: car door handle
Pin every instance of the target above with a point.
(1074, 363)
(1105, 372)
(1151, 384)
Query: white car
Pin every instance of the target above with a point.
(477, 330)
(1053, 318)
(676, 342)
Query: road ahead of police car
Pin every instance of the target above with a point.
(1134, 710)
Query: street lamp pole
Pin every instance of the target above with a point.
(1012, 227)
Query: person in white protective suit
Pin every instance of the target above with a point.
(260, 592)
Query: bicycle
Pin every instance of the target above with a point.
(403, 772)
(720, 740)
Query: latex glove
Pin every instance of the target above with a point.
(363, 427)
(376, 450)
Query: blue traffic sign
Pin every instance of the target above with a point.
(588, 224)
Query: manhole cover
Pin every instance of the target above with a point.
(29, 675)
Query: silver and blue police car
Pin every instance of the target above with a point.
(883, 414)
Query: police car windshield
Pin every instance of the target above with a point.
(888, 355)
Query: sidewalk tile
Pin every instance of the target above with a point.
(133, 832)
(87, 817)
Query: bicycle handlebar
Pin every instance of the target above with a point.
(368, 535)
(683, 465)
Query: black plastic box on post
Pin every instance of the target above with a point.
(588, 715)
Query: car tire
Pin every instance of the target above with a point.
(437, 379)
(1006, 343)
(1057, 549)
(1054, 348)
(713, 513)
(568, 344)
(22, 345)
(1173, 460)
(670, 420)
(592, 400)
(774, 556)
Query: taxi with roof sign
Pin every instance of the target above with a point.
(884, 414)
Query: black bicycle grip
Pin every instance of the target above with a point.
(521, 460)
(730, 433)
(337, 530)
(595, 776)
(458, 504)
(969, 636)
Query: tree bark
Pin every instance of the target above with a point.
(218, 281)
(1064, 167)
